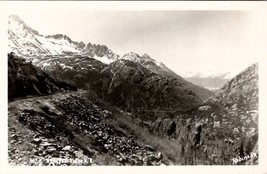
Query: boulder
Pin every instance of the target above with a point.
(51, 149)
(37, 140)
(67, 148)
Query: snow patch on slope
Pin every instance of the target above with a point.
(104, 59)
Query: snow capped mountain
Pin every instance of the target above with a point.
(145, 60)
(162, 70)
(27, 42)
(100, 52)
(41, 50)
(208, 74)
(209, 79)
(137, 58)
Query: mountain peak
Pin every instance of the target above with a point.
(146, 56)
(131, 55)
(62, 37)
(137, 58)
(14, 17)
(16, 24)
(27, 42)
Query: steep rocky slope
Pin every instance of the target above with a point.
(126, 84)
(68, 129)
(82, 70)
(224, 128)
(132, 87)
(161, 69)
(26, 79)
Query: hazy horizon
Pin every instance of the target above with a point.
(198, 41)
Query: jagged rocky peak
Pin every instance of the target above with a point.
(13, 18)
(27, 42)
(81, 45)
(57, 36)
(131, 56)
(15, 23)
(100, 51)
(146, 61)
(137, 58)
(98, 47)
(147, 57)
(62, 37)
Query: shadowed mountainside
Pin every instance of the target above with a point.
(25, 79)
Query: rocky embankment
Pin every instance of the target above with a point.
(67, 129)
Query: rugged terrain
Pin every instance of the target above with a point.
(68, 129)
(219, 130)
(58, 54)
(209, 79)
(224, 127)
(129, 110)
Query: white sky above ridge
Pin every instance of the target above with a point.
(220, 41)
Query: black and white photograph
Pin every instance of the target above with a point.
(133, 87)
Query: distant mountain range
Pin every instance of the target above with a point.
(104, 71)
(209, 79)
(25, 41)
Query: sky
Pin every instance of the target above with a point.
(197, 41)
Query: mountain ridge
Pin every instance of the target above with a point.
(53, 47)
(27, 42)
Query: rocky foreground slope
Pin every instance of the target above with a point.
(67, 129)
